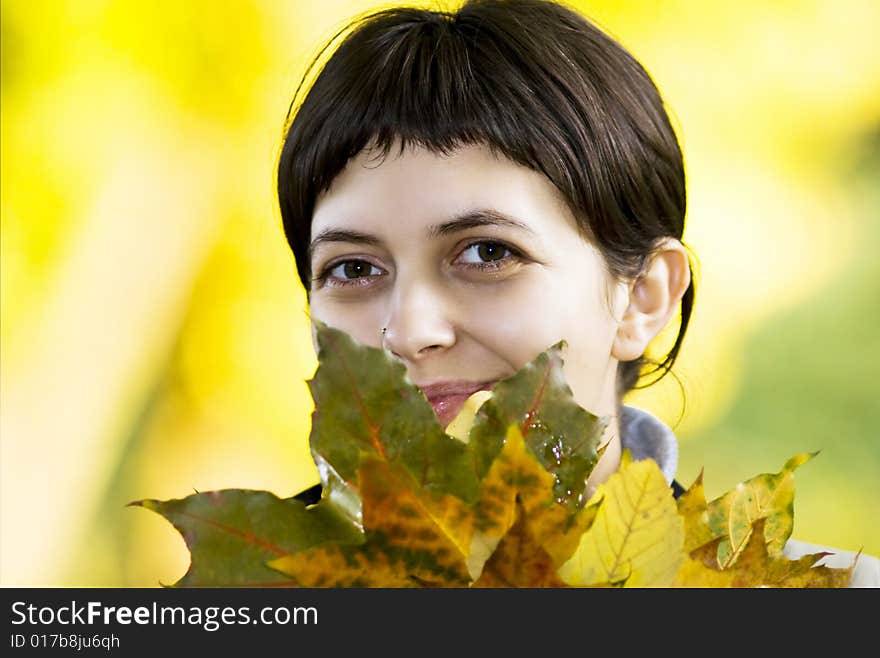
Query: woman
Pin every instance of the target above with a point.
(466, 189)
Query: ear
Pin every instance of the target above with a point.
(654, 297)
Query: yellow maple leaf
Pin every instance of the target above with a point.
(755, 566)
(637, 537)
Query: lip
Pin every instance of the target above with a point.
(448, 397)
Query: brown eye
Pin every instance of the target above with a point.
(490, 251)
(353, 269)
(349, 273)
(484, 252)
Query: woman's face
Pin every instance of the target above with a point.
(473, 265)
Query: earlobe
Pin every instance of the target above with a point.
(654, 297)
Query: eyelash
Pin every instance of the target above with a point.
(485, 266)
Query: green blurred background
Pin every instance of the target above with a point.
(154, 333)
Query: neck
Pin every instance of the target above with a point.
(609, 462)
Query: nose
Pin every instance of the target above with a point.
(419, 322)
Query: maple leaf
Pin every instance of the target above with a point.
(496, 500)
(754, 566)
(637, 537)
(730, 517)
(409, 504)
(737, 539)
(233, 533)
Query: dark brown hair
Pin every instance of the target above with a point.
(531, 79)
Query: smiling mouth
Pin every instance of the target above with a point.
(447, 408)
(447, 399)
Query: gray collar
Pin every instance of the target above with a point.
(645, 435)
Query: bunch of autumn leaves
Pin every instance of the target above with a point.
(502, 503)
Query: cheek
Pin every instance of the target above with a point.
(361, 320)
(590, 370)
(519, 321)
(515, 320)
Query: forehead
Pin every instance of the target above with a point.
(425, 187)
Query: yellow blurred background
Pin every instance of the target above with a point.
(154, 333)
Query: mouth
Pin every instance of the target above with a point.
(447, 398)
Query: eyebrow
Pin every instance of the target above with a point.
(469, 219)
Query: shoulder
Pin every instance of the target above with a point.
(646, 436)
(865, 574)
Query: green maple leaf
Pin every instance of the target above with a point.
(562, 435)
(233, 533)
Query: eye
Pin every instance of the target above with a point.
(350, 272)
(486, 254)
